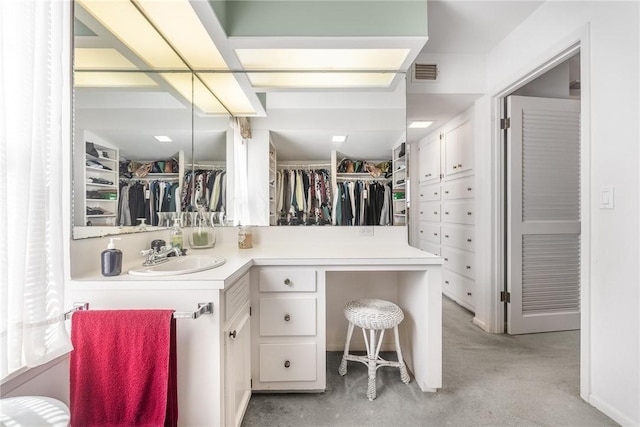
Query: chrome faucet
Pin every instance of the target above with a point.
(159, 256)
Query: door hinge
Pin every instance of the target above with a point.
(251, 385)
(505, 297)
(505, 123)
(250, 310)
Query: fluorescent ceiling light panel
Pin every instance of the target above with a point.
(202, 98)
(321, 80)
(322, 59)
(107, 79)
(229, 92)
(100, 59)
(180, 25)
(124, 21)
(420, 124)
(339, 138)
(162, 138)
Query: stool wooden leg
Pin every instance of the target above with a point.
(404, 375)
(342, 370)
(372, 354)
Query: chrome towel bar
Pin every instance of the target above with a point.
(203, 308)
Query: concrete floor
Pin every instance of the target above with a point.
(493, 380)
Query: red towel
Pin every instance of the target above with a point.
(123, 368)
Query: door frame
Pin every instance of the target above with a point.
(578, 42)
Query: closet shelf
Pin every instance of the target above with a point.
(91, 168)
(90, 157)
(101, 200)
(91, 184)
(102, 216)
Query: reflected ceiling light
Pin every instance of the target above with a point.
(107, 79)
(162, 138)
(229, 92)
(321, 80)
(124, 21)
(322, 59)
(101, 59)
(202, 97)
(183, 29)
(338, 138)
(420, 124)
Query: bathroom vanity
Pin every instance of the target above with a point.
(270, 330)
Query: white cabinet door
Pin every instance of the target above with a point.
(237, 368)
(429, 161)
(459, 149)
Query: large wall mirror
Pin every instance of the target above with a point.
(147, 137)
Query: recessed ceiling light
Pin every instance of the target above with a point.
(339, 138)
(162, 138)
(420, 124)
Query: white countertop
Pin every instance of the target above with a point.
(238, 261)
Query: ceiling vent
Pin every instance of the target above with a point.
(425, 72)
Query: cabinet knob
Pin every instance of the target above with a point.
(446, 212)
(468, 188)
(421, 195)
(446, 236)
(421, 212)
(287, 364)
(435, 234)
(468, 240)
(469, 293)
(446, 282)
(421, 231)
(468, 213)
(287, 317)
(287, 282)
(435, 212)
(446, 191)
(454, 166)
(459, 165)
(468, 267)
(446, 259)
(435, 193)
(233, 334)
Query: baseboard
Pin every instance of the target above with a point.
(612, 412)
(480, 323)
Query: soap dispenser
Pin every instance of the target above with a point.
(176, 235)
(111, 259)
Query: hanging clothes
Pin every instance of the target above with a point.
(204, 187)
(303, 197)
(362, 203)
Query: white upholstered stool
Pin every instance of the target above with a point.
(33, 411)
(374, 315)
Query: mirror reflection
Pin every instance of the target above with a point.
(151, 144)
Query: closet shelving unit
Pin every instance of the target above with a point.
(273, 215)
(399, 165)
(108, 171)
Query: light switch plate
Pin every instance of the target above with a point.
(366, 231)
(606, 197)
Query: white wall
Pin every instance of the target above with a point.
(610, 98)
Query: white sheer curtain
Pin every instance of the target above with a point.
(241, 136)
(34, 51)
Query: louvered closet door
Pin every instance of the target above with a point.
(543, 218)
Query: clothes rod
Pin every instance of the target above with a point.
(308, 165)
(203, 308)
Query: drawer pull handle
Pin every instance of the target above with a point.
(421, 231)
(459, 165)
(287, 364)
(446, 281)
(468, 213)
(446, 191)
(446, 213)
(421, 195)
(233, 334)
(468, 188)
(446, 236)
(435, 193)
(454, 166)
(287, 282)
(469, 240)
(435, 213)
(469, 293)
(421, 212)
(287, 317)
(468, 267)
(435, 234)
(446, 259)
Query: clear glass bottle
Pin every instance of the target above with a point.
(176, 235)
(202, 233)
(245, 237)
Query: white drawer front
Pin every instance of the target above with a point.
(287, 316)
(287, 280)
(429, 193)
(429, 231)
(236, 296)
(428, 246)
(460, 262)
(429, 211)
(458, 237)
(458, 286)
(462, 189)
(459, 213)
(288, 362)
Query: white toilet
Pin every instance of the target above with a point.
(33, 411)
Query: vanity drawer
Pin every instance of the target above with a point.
(287, 316)
(458, 237)
(429, 211)
(462, 189)
(236, 296)
(459, 287)
(287, 280)
(458, 212)
(459, 262)
(429, 193)
(428, 246)
(430, 232)
(288, 362)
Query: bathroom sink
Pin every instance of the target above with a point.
(179, 265)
